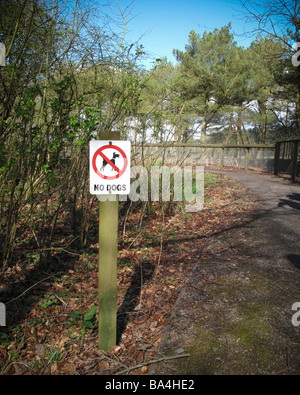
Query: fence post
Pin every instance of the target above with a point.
(294, 160)
(222, 157)
(276, 158)
(246, 159)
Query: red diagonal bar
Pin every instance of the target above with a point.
(109, 162)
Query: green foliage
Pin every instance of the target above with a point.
(65, 84)
(214, 73)
(89, 318)
(50, 300)
(55, 95)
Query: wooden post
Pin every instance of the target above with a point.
(222, 157)
(108, 254)
(107, 272)
(246, 159)
(294, 160)
(276, 158)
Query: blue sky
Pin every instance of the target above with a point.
(164, 25)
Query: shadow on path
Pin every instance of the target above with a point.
(294, 259)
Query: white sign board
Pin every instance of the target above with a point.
(109, 167)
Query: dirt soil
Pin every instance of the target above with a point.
(198, 293)
(52, 317)
(234, 313)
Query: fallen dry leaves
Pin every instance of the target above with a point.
(155, 259)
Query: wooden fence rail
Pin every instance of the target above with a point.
(284, 149)
(192, 145)
(220, 147)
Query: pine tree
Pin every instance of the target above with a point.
(214, 73)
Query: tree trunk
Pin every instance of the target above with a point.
(203, 129)
(263, 120)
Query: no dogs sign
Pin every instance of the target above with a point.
(109, 167)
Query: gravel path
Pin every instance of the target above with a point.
(280, 201)
(280, 211)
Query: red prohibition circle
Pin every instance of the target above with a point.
(99, 152)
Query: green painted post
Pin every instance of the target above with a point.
(108, 254)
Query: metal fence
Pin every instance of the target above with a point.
(286, 158)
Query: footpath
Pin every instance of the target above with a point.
(236, 313)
